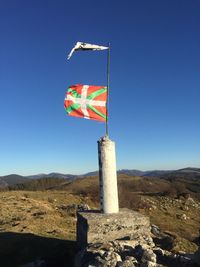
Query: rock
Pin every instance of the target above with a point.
(74, 207)
(38, 213)
(148, 264)
(182, 216)
(23, 198)
(97, 227)
(133, 249)
(51, 231)
(155, 229)
(126, 263)
(148, 255)
(101, 252)
(112, 257)
(130, 258)
(83, 207)
(98, 261)
(159, 252)
(15, 224)
(138, 252)
(2, 222)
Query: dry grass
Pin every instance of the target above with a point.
(154, 198)
(39, 213)
(47, 221)
(33, 226)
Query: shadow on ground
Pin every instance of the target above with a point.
(17, 249)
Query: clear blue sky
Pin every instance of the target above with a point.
(155, 83)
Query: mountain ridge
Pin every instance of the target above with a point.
(188, 172)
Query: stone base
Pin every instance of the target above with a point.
(95, 227)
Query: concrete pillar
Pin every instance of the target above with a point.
(108, 176)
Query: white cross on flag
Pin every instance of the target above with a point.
(86, 101)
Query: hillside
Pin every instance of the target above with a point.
(39, 184)
(41, 225)
(186, 173)
(12, 179)
(52, 175)
(3, 183)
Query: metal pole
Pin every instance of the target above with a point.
(108, 84)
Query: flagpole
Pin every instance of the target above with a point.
(108, 84)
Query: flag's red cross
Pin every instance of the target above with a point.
(86, 101)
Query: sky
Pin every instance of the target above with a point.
(154, 98)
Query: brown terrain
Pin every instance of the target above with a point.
(38, 219)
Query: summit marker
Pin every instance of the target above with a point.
(91, 102)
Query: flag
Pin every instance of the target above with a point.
(84, 46)
(87, 101)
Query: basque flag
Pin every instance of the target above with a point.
(86, 101)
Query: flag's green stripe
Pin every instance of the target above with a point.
(72, 107)
(97, 93)
(96, 111)
(74, 93)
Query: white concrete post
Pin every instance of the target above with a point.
(108, 176)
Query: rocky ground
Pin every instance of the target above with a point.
(124, 254)
(34, 212)
(37, 226)
(177, 217)
(39, 229)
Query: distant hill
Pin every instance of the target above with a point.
(11, 180)
(182, 173)
(14, 179)
(95, 173)
(185, 173)
(3, 184)
(40, 184)
(133, 173)
(156, 173)
(130, 172)
(52, 175)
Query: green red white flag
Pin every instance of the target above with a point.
(86, 101)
